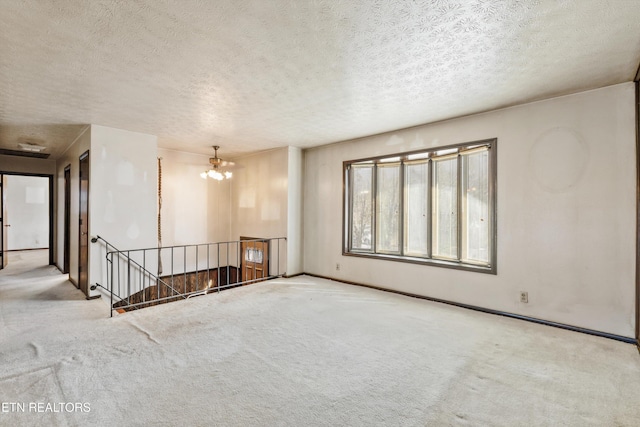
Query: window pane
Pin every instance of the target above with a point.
(361, 207)
(388, 208)
(475, 207)
(416, 209)
(445, 211)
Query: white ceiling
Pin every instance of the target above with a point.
(254, 75)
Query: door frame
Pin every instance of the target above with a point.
(84, 287)
(66, 261)
(3, 248)
(51, 207)
(637, 118)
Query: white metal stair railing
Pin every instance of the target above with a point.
(189, 270)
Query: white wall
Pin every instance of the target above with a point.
(27, 211)
(122, 194)
(259, 195)
(194, 210)
(263, 199)
(259, 199)
(70, 158)
(295, 200)
(566, 211)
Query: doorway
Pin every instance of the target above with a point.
(83, 244)
(3, 235)
(637, 117)
(67, 219)
(26, 214)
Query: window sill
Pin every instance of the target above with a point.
(430, 262)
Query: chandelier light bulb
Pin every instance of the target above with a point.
(214, 174)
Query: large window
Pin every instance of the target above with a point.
(433, 206)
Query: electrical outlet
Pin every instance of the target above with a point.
(337, 266)
(524, 297)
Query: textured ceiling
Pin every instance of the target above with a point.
(253, 75)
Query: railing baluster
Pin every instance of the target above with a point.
(144, 265)
(111, 288)
(129, 281)
(159, 272)
(197, 272)
(119, 276)
(172, 284)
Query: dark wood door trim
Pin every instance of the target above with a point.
(52, 225)
(3, 253)
(637, 113)
(67, 219)
(83, 224)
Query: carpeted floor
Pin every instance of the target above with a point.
(295, 352)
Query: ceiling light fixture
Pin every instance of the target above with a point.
(33, 148)
(217, 170)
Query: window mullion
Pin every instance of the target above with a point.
(349, 208)
(459, 208)
(430, 208)
(401, 219)
(493, 230)
(374, 207)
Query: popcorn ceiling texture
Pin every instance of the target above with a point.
(254, 75)
(41, 135)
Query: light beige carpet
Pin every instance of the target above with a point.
(298, 352)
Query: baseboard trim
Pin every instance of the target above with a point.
(26, 249)
(73, 282)
(94, 297)
(491, 311)
(294, 275)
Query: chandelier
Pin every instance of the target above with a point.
(217, 170)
